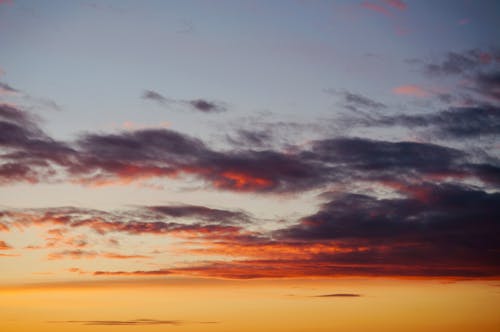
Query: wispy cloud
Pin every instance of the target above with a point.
(133, 322)
(398, 4)
(7, 89)
(200, 105)
(338, 295)
(373, 6)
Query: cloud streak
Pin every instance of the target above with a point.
(198, 105)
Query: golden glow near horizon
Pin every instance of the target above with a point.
(264, 305)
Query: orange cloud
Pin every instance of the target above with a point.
(410, 90)
(4, 245)
(79, 254)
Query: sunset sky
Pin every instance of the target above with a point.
(299, 165)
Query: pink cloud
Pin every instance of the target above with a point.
(410, 90)
(399, 4)
(376, 8)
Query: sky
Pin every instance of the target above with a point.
(298, 165)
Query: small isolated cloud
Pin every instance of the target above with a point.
(200, 105)
(153, 95)
(411, 90)
(133, 322)
(356, 101)
(338, 295)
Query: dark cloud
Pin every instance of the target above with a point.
(478, 71)
(153, 95)
(374, 160)
(356, 101)
(200, 105)
(155, 153)
(162, 152)
(446, 230)
(29, 153)
(488, 84)
(457, 122)
(434, 226)
(13, 114)
(244, 137)
(206, 106)
(461, 63)
(201, 213)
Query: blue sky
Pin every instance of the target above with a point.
(335, 126)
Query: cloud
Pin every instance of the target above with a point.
(338, 295)
(153, 95)
(134, 322)
(162, 152)
(100, 159)
(488, 84)
(207, 225)
(356, 101)
(85, 254)
(4, 245)
(452, 123)
(244, 137)
(411, 90)
(376, 8)
(443, 231)
(478, 71)
(7, 89)
(135, 155)
(461, 63)
(200, 105)
(201, 213)
(161, 272)
(72, 254)
(29, 150)
(113, 255)
(398, 4)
